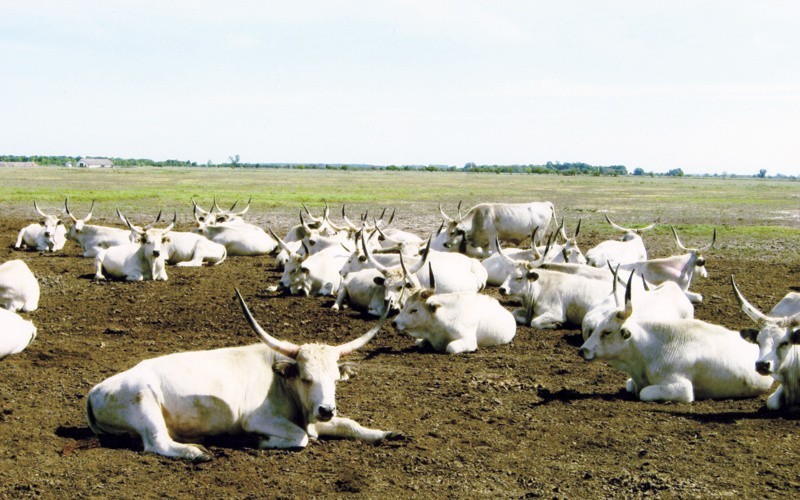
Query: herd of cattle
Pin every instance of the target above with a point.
(635, 313)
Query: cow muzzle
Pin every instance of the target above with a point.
(156, 253)
(325, 413)
(763, 367)
(586, 354)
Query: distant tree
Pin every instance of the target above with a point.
(675, 172)
(762, 173)
(638, 171)
(234, 160)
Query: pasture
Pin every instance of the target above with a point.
(527, 419)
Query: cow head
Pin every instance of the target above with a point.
(775, 336)
(292, 262)
(153, 242)
(696, 263)
(223, 216)
(312, 370)
(630, 234)
(398, 282)
(611, 340)
(570, 252)
(522, 278)
(50, 225)
(77, 224)
(456, 231)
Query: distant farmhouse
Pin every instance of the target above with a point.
(95, 163)
(17, 164)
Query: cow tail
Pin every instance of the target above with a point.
(90, 418)
(224, 256)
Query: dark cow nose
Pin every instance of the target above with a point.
(156, 253)
(47, 234)
(763, 367)
(326, 413)
(394, 324)
(583, 352)
(503, 291)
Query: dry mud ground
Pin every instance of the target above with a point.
(525, 420)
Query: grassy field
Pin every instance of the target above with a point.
(742, 208)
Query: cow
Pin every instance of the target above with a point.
(682, 269)
(676, 360)
(551, 298)
(16, 335)
(92, 239)
(666, 301)
(220, 216)
(184, 249)
(318, 274)
(456, 322)
(360, 290)
(281, 392)
(484, 223)
(238, 237)
(627, 250)
(19, 289)
(778, 340)
(48, 235)
(144, 259)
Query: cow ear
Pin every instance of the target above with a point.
(286, 369)
(304, 270)
(166, 239)
(379, 280)
(794, 337)
(347, 370)
(59, 223)
(41, 223)
(433, 305)
(425, 294)
(327, 289)
(533, 275)
(625, 333)
(749, 334)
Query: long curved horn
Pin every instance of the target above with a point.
(245, 208)
(747, 307)
(130, 226)
(425, 254)
(391, 217)
(38, 211)
(645, 285)
(458, 209)
(347, 221)
(198, 207)
(444, 215)
(501, 252)
(678, 240)
(282, 346)
(547, 246)
(441, 228)
(360, 342)
(617, 226)
(536, 254)
(307, 228)
(280, 241)
(628, 311)
(561, 230)
(66, 207)
(216, 207)
(432, 278)
(578, 229)
(91, 210)
(403, 266)
(380, 267)
(614, 273)
(645, 228)
(713, 239)
(172, 224)
(122, 217)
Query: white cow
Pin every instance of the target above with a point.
(136, 261)
(238, 238)
(281, 392)
(455, 322)
(92, 239)
(16, 333)
(48, 235)
(484, 223)
(664, 302)
(219, 216)
(19, 289)
(360, 290)
(682, 269)
(551, 299)
(627, 250)
(318, 274)
(778, 339)
(676, 360)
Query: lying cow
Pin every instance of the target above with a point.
(48, 235)
(19, 289)
(281, 392)
(682, 269)
(16, 333)
(238, 237)
(484, 223)
(144, 259)
(92, 239)
(360, 290)
(778, 339)
(676, 360)
(627, 250)
(455, 322)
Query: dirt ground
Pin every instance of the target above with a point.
(530, 419)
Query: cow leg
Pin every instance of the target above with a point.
(340, 298)
(347, 428)
(547, 321)
(98, 268)
(276, 432)
(694, 298)
(18, 244)
(462, 345)
(777, 399)
(679, 389)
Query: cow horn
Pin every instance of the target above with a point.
(713, 239)
(66, 207)
(284, 347)
(441, 228)
(371, 259)
(245, 208)
(578, 228)
(617, 226)
(424, 257)
(614, 273)
(391, 218)
(747, 307)
(122, 217)
(38, 211)
(360, 342)
(458, 209)
(501, 252)
(536, 254)
(151, 225)
(308, 228)
(646, 228)
(197, 207)
(678, 240)
(432, 278)
(171, 225)
(216, 207)
(628, 302)
(280, 241)
(89, 216)
(130, 226)
(561, 230)
(347, 221)
(403, 266)
(645, 285)
(444, 215)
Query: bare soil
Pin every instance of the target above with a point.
(530, 419)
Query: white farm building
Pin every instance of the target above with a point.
(95, 163)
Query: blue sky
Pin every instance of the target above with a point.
(705, 86)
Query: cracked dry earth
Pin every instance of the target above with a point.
(529, 419)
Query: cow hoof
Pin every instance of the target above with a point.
(204, 455)
(393, 436)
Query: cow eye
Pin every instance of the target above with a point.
(414, 311)
(605, 333)
(783, 345)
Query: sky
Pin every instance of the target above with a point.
(704, 86)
